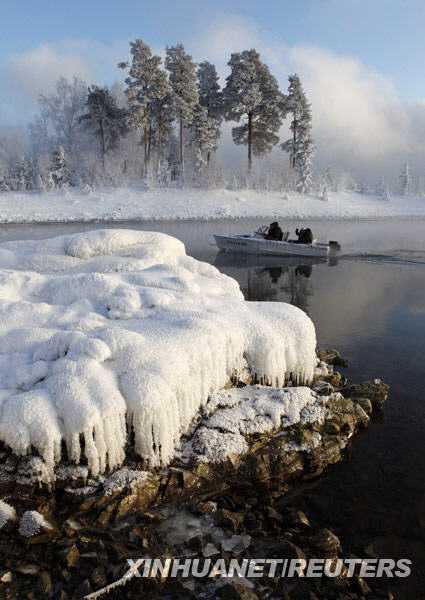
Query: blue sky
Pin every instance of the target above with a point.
(360, 61)
(387, 35)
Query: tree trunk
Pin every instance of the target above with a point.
(145, 148)
(294, 141)
(181, 146)
(249, 142)
(102, 143)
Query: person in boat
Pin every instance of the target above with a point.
(305, 236)
(274, 232)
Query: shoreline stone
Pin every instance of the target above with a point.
(232, 506)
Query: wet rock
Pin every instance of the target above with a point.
(98, 578)
(326, 542)
(250, 521)
(46, 583)
(233, 591)
(332, 357)
(72, 556)
(375, 390)
(362, 586)
(297, 519)
(228, 519)
(323, 388)
(207, 507)
(366, 404)
(83, 589)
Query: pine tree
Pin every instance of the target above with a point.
(300, 145)
(59, 173)
(252, 95)
(405, 180)
(210, 98)
(204, 137)
(148, 91)
(105, 118)
(182, 72)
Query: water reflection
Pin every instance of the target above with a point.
(272, 278)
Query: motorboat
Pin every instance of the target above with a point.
(257, 243)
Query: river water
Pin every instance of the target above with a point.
(370, 305)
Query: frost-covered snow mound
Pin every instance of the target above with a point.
(117, 334)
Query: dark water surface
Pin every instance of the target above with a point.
(370, 305)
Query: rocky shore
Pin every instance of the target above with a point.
(233, 490)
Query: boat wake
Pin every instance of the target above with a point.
(416, 257)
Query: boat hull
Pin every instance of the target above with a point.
(256, 245)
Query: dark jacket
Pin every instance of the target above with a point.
(274, 232)
(305, 236)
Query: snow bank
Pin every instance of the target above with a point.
(113, 332)
(169, 204)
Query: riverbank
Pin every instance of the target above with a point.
(123, 204)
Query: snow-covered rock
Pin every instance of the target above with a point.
(7, 513)
(232, 415)
(33, 523)
(110, 331)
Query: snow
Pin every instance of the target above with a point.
(7, 513)
(169, 204)
(122, 479)
(116, 332)
(32, 523)
(232, 415)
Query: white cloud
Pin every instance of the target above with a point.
(36, 71)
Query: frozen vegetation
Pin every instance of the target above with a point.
(169, 204)
(113, 332)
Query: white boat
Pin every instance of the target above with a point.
(256, 244)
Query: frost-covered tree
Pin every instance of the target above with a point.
(29, 172)
(300, 146)
(210, 98)
(405, 180)
(252, 95)
(107, 121)
(183, 81)
(204, 137)
(147, 88)
(59, 173)
(61, 111)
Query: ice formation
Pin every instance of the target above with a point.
(115, 331)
